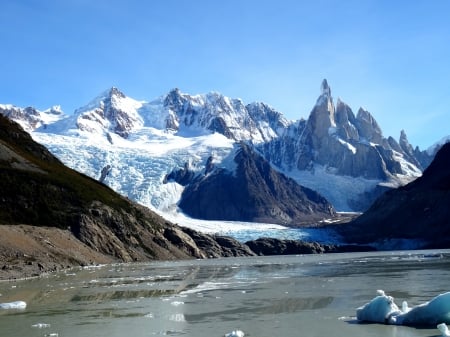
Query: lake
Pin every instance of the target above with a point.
(310, 295)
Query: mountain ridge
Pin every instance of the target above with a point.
(332, 144)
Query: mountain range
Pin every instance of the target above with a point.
(156, 153)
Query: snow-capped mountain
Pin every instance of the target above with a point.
(137, 143)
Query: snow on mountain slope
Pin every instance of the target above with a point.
(139, 163)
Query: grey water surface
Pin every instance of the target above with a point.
(311, 295)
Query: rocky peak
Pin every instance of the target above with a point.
(404, 143)
(368, 128)
(345, 122)
(263, 113)
(321, 121)
(174, 99)
(115, 92)
(325, 88)
(110, 111)
(415, 156)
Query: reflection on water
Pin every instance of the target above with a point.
(312, 295)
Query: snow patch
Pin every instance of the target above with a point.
(349, 146)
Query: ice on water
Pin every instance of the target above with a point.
(41, 325)
(235, 333)
(382, 309)
(13, 305)
(378, 310)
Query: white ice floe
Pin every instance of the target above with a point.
(41, 325)
(382, 309)
(13, 305)
(235, 333)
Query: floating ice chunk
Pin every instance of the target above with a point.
(444, 330)
(176, 303)
(235, 333)
(378, 310)
(13, 305)
(41, 325)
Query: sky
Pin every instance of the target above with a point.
(389, 57)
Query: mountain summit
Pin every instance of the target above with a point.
(111, 111)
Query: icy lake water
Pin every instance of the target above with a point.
(287, 296)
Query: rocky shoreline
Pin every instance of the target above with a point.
(29, 251)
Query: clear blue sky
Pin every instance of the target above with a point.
(390, 56)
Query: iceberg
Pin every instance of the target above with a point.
(13, 305)
(382, 309)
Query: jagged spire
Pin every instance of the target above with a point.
(325, 88)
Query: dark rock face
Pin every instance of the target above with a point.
(417, 211)
(255, 192)
(182, 176)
